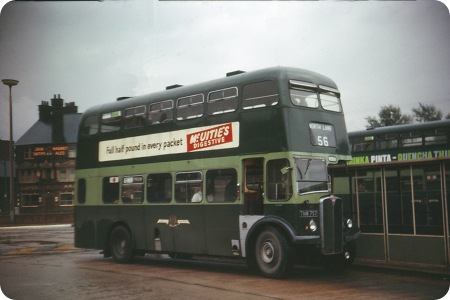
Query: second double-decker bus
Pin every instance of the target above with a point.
(399, 185)
(233, 167)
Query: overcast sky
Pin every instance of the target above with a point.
(377, 52)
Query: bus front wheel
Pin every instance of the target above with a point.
(121, 245)
(272, 253)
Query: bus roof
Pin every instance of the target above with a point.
(401, 128)
(175, 91)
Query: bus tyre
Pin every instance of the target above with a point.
(121, 245)
(272, 253)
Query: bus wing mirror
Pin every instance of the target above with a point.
(285, 170)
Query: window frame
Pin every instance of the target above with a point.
(222, 100)
(251, 87)
(136, 118)
(190, 116)
(134, 186)
(161, 111)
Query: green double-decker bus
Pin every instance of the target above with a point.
(233, 167)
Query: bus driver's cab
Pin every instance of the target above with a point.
(253, 186)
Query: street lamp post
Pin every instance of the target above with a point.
(11, 83)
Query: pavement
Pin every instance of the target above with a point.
(23, 240)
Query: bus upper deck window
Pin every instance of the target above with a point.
(330, 102)
(329, 99)
(259, 94)
(90, 125)
(134, 116)
(303, 94)
(304, 98)
(223, 101)
(111, 121)
(190, 107)
(161, 112)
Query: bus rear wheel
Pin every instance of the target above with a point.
(272, 253)
(121, 245)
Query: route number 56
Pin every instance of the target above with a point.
(322, 141)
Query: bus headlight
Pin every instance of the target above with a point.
(312, 225)
(349, 223)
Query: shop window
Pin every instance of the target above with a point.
(66, 199)
(427, 199)
(31, 200)
(367, 185)
(72, 152)
(398, 198)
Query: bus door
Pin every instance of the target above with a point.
(253, 186)
(159, 216)
(188, 224)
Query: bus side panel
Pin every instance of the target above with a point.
(94, 224)
(85, 227)
(159, 230)
(189, 232)
(288, 212)
(133, 218)
(222, 227)
(264, 130)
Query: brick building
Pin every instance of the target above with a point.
(4, 179)
(45, 164)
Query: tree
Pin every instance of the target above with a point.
(426, 113)
(389, 115)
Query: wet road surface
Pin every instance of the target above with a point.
(41, 263)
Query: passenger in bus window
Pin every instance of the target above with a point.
(153, 191)
(210, 189)
(230, 190)
(198, 196)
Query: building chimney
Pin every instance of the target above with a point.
(45, 112)
(70, 108)
(57, 120)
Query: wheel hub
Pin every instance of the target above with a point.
(268, 252)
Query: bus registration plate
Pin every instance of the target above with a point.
(308, 213)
